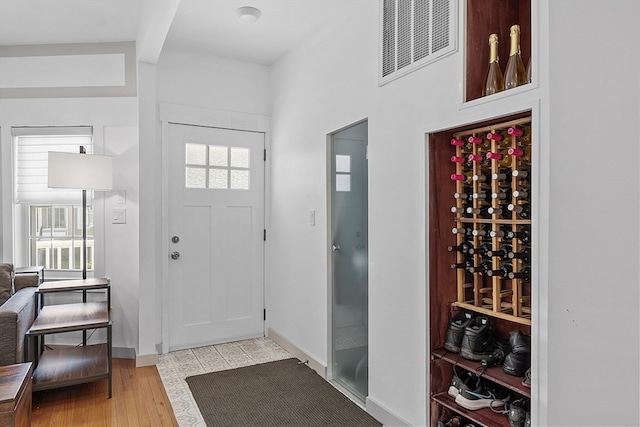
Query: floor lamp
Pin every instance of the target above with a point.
(81, 171)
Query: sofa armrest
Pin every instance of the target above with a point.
(25, 280)
(16, 317)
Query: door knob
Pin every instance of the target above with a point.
(175, 255)
(335, 247)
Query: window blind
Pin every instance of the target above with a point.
(32, 145)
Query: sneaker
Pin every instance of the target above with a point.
(456, 329)
(478, 342)
(517, 414)
(516, 364)
(465, 381)
(482, 396)
(520, 343)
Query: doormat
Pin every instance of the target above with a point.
(281, 393)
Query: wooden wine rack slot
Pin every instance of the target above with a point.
(497, 295)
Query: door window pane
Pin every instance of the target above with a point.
(343, 182)
(196, 178)
(218, 178)
(218, 155)
(343, 163)
(239, 157)
(196, 154)
(239, 179)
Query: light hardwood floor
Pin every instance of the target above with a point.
(139, 400)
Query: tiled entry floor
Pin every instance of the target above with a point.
(175, 366)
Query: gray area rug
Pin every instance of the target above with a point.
(280, 393)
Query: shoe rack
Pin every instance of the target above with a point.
(506, 301)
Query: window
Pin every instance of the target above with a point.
(216, 167)
(50, 219)
(343, 172)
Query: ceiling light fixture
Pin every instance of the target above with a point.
(248, 14)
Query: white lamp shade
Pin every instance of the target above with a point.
(80, 171)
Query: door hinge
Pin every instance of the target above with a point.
(265, 154)
(265, 235)
(264, 314)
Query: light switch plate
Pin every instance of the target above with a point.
(118, 216)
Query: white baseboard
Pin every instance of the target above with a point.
(147, 360)
(385, 416)
(320, 368)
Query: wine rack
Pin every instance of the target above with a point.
(491, 169)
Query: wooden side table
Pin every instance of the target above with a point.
(15, 395)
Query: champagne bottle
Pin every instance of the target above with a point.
(515, 74)
(529, 71)
(494, 82)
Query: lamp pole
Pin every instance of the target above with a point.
(84, 226)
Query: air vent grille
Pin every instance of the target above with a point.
(414, 33)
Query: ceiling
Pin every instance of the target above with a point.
(207, 26)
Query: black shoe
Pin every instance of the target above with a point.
(484, 395)
(456, 331)
(516, 364)
(497, 357)
(520, 343)
(517, 414)
(478, 342)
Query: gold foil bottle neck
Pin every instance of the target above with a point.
(515, 40)
(493, 48)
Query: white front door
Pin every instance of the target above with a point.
(216, 226)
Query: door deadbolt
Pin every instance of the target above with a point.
(175, 255)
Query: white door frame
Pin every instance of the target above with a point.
(179, 114)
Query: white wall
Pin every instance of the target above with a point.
(115, 124)
(196, 80)
(594, 107)
(330, 82)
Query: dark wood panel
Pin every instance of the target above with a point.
(485, 17)
(73, 285)
(71, 365)
(70, 317)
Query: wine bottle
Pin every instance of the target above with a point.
(493, 136)
(462, 230)
(515, 74)
(529, 71)
(481, 195)
(515, 131)
(481, 178)
(501, 272)
(465, 197)
(482, 268)
(481, 232)
(466, 178)
(465, 265)
(500, 176)
(522, 194)
(522, 174)
(495, 211)
(480, 212)
(503, 252)
(458, 210)
(522, 255)
(458, 159)
(522, 210)
(524, 274)
(522, 235)
(464, 247)
(457, 142)
(483, 144)
(500, 195)
(500, 232)
(481, 249)
(494, 82)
